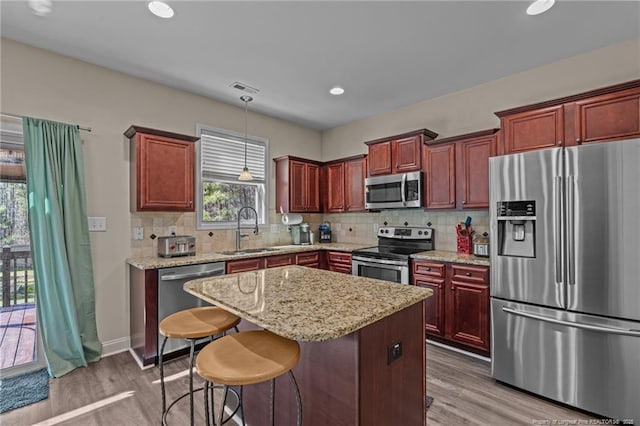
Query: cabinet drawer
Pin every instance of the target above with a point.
(340, 268)
(306, 259)
(243, 265)
(429, 268)
(339, 257)
(474, 274)
(279, 260)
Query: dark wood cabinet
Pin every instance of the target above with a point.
(279, 260)
(344, 184)
(244, 265)
(309, 259)
(601, 115)
(456, 171)
(398, 154)
(338, 261)
(458, 311)
(161, 170)
(440, 176)
(297, 185)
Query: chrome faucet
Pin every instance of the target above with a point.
(238, 233)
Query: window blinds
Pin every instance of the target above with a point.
(222, 157)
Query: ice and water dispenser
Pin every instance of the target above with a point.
(517, 228)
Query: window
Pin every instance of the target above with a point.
(220, 194)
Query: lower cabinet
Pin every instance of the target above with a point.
(309, 259)
(458, 311)
(339, 261)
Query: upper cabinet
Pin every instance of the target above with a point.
(398, 154)
(607, 114)
(297, 185)
(456, 171)
(162, 170)
(344, 184)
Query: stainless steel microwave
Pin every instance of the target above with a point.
(393, 191)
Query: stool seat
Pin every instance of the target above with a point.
(247, 358)
(196, 323)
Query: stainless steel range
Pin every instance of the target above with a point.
(389, 260)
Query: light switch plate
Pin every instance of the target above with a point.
(172, 230)
(274, 228)
(97, 224)
(138, 233)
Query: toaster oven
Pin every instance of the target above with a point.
(176, 245)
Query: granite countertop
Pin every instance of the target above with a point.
(155, 262)
(451, 256)
(306, 304)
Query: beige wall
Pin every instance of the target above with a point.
(42, 84)
(472, 110)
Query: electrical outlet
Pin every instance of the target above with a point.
(394, 352)
(338, 226)
(98, 224)
(172, 230)
(274, 228)
(138, 233)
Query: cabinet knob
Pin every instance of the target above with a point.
(578, 140)
(428, 269)
(464, 201)
(468, 274)
(559, 143)
(453, 288)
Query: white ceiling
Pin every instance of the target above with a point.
(386, 54)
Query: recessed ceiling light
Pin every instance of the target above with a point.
(336, 90)
(40, 7)
(539, 6)
(160, 9)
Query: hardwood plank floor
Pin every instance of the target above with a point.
(463, 390)
(17, 335)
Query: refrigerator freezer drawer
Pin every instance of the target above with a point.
(592, 364)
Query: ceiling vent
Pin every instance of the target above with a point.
(244, 87)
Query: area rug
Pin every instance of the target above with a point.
(23, 389)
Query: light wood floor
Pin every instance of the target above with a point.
(464, 394)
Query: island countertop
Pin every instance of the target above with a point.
(306, 304)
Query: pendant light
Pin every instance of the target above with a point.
(245, 174)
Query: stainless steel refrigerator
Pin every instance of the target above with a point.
(565, 275)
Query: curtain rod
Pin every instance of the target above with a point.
(86, 129)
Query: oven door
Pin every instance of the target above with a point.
(381, 269)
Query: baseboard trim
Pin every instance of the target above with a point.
(451, 348)
(116, 346)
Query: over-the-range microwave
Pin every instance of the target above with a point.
(393, 191)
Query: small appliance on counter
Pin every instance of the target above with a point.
(481, 245)
(325, 233)
(305, 236)
(176, 245)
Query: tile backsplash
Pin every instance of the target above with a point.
(346, 228)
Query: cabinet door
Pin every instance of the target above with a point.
(380, 158)
(608, 117)
(335, 187)
(244, 265)
(279, 260)
(439, 181)
(472, 172)
(355, 172)
(165, 173)
(434, 305)
(313, 188)
(406, 154)
(297, 186)
(309, 259)
(530, 130)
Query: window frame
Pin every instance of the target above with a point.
(200, 223)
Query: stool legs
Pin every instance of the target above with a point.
(191, 361)
(164, 399)
(298, 398)
(162, 386)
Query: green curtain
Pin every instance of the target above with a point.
(60, 244)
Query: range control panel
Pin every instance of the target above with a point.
(405, 233)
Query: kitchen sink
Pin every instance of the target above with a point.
(248, 251)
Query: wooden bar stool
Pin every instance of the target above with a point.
(248, 358)
(192, 324)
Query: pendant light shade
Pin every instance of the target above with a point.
(245, 174)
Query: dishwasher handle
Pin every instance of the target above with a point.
(175, 277)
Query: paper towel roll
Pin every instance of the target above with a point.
(291, 219)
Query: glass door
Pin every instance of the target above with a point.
(19, 335)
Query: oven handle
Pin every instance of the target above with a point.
(378, 262)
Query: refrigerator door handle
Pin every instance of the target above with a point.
(558, 228)
(571, 222)
(611, 330)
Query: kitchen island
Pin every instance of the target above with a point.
(362, 343)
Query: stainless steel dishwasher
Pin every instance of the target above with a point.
(172, 298)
